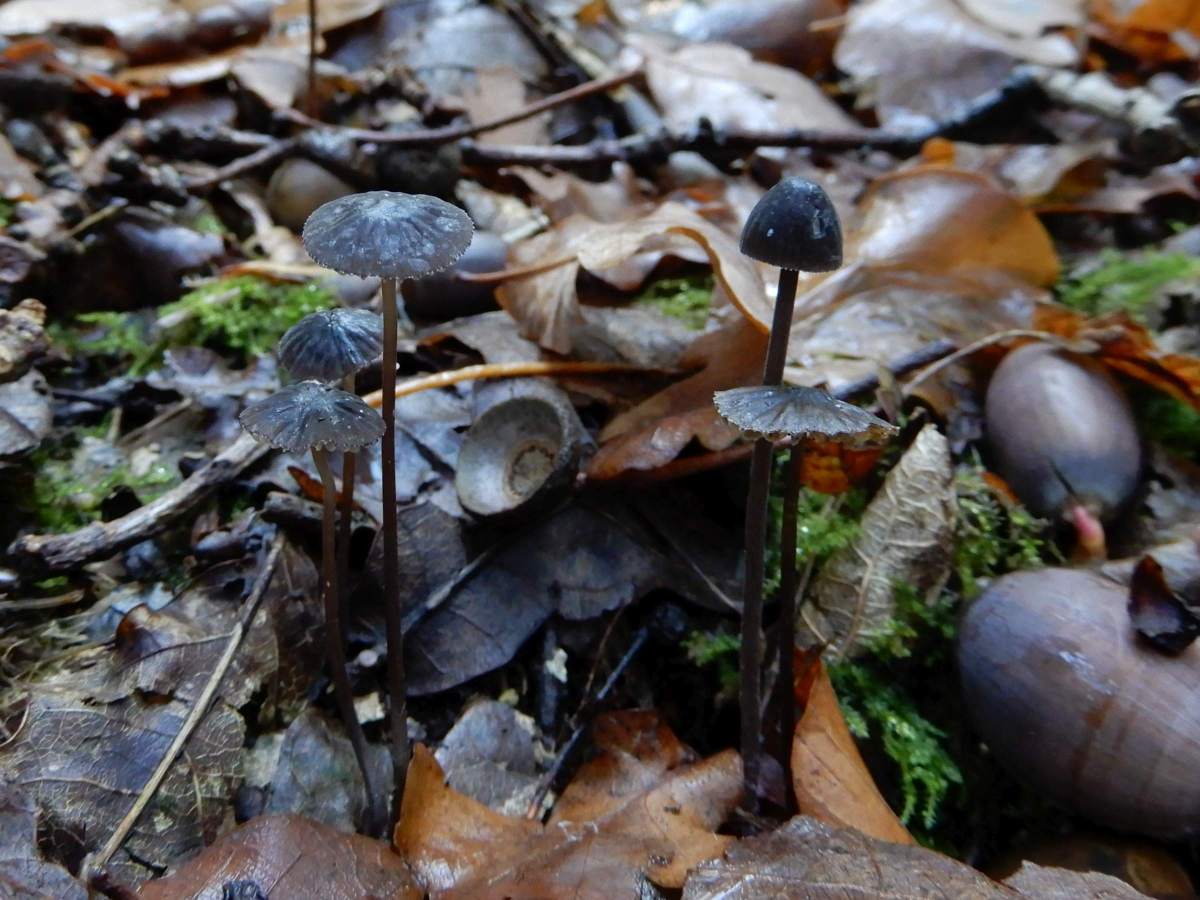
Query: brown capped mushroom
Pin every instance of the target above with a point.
(1070, 700)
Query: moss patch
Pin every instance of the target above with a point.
(1125, 283)
(686, 299)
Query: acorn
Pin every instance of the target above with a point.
(1062, 435)
(1070, 700)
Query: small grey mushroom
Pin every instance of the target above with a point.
(310, 415)
(519, 455)
(331, 344)
(779, 411)
(387, 234)
(446, 296)
(794, 226)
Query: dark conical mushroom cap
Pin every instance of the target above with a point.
(309, 415)
(331, 344)
(386, 234)
(794, 226)
(780, 411)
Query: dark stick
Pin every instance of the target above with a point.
(756, 534)
(391, 576)
(788, 581)
(335, 643)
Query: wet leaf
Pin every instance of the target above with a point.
(923, 61)
(289, 856)
(829, 776)
(645, 807)
(23, 872)
(1159, 614)
(807, 858)
(25, 414)
(1155, 31)
(1047, 883)
(491, 755)
(905, 539)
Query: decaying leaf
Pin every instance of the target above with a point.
(924, 60)
(829, 776)
(727, 86)
(491, 755)
(93, 732)
(546, 303)
(644, 808)
(1047, 883)
(807, 858)
(1155, 31)
(289, 856)
(579, 563)
(25, 414)
(905, 540)
(23, 872)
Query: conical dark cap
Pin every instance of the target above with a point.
(794, 226)
(780, 411)
(387, 234)
(309, 415)
(331, 344)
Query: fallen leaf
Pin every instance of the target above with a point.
(1155, 31)
(23, 872)
(22, 338)
(905, 538)
(787, 32)
(829, 776)
(1027, 18)
(644, 808)
(497, 92)
(1047, 883)
(491, 755)
(809, 859)
(726, 86)
(25, 414)
(1159, 614)
(289, 856)
(658, 429)
(924, 60)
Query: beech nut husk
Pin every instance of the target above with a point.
(1070, 701)
(520, 455)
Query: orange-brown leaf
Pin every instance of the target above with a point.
(828, 774)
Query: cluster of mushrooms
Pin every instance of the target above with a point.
(393, 237)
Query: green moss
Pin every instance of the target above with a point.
(824, 524)
(1170, 422)
(1125, 282)
(208, 222)
(8, 212)
(686, 299)
(718, 649)
(244, 316)
(992, 538)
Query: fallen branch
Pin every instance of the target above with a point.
(64, 552)
(195, 714)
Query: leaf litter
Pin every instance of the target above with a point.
(1004, 173)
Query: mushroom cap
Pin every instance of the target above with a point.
(331, 344)
(778, 411)
(387, 234)
(309, 415)
(794, 226)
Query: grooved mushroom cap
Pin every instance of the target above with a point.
(794, 226)
(775, 412)
(309, 415)
(387, 234)
(331, 344)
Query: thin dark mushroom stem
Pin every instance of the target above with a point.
(335, 642)
(391, 577)
(311, 100)
(756, 533)
(788, 585)
(345, 524)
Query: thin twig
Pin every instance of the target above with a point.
(197, 712)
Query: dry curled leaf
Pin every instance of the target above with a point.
(1047, 883)
(809, 859)
(905, 538)
(289, 856)
(644, 808)
(829, 776)
(23, 872)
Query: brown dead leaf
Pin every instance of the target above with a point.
(25, 414)
(809, 859)
(657, 430)
(905, 537)
(923, 60)
(289, 856)
(1127, 347)
(794, 33)
(829, 467)
(1047, 883)
(725, 85)
(23, 872)
(22, 338)
(644, 808)
(829, 776)
(546, 303)
(497, 92)
(1155, 31)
